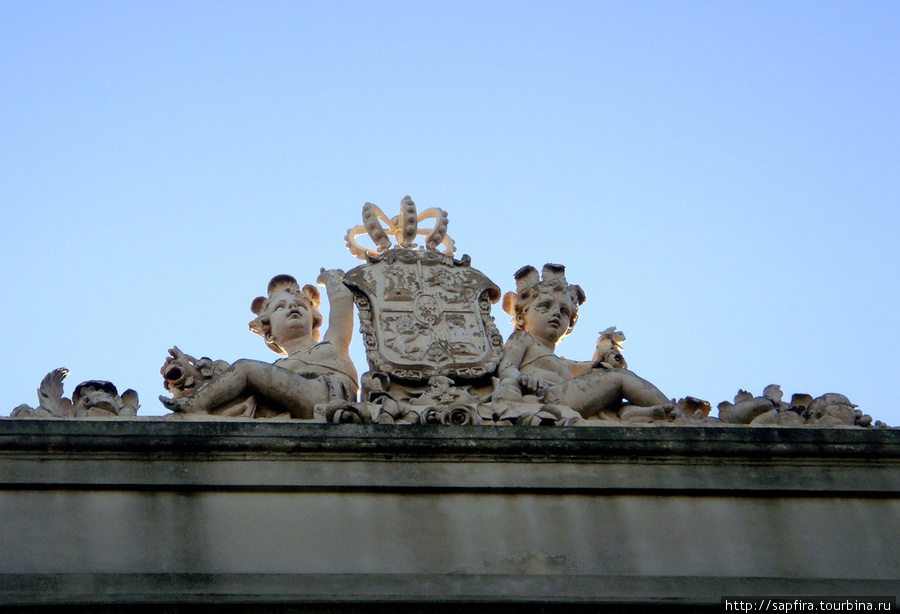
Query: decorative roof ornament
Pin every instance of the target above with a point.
(403, 228)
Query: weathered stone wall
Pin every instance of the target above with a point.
(163, 511)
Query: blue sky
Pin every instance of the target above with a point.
(721, 178)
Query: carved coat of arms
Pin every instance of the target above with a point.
(422, 312)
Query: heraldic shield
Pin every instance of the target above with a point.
(423, 313)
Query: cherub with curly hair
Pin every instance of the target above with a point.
(311, 372)
(544, 310)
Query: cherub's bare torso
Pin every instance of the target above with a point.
(321, 358)
(538, 360)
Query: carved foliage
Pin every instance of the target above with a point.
(802, 410)
(91, 399)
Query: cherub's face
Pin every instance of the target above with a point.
(289, 317)
(548, 317)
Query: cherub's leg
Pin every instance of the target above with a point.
(638, 391)
(285, 390)
(607, 389)
(273, 385)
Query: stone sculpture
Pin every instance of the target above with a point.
(91, 399)
(424, 315)
(545, 309)
(182, 373)
(311, 374)
(608, 352)
(803, 410)
(434, 354)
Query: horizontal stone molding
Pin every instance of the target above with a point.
(399, 589)
(162, 511)
(244, 454)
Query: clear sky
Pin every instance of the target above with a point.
(721, 178)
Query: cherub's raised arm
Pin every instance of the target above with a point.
(340, 308)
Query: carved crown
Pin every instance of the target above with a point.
(403, 228)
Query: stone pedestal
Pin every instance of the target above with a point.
(264, 514)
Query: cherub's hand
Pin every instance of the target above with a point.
(327, 276)
(530, 383)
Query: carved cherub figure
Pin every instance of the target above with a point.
(310, 373)
(544, 311)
